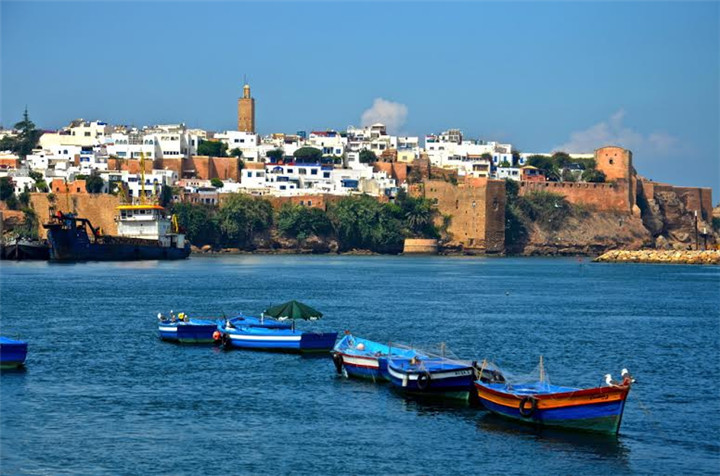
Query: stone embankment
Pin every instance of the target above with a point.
(661, 256)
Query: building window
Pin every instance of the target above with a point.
(326, 174)
(313, 171)
(309, 203)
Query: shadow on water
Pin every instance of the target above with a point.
(596, 444)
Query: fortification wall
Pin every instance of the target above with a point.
(131, 165)
(477, 208)
(100, 209)
(609, 197)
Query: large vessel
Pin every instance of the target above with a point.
(144, 233)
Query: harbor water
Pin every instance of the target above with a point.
(100, 393)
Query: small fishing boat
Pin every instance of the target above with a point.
(12, 353)
(539, 403)
(437, 375)
(187, 330)
(363, 358)
(273, 334)
(274, 339)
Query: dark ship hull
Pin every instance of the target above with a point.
(25, 250)
(69, 242)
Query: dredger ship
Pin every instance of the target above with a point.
(145, 232)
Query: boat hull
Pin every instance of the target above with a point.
(454, 383)
(373, 368)
(363, 358)
(12, 353)
(187, 333)
(596, 410)
(279, 340)
(72, 245)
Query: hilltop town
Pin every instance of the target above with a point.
(479, 196)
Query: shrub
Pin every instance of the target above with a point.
(549, 210)
(296, 221)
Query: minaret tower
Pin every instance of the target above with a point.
(246, 111)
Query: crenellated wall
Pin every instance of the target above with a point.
(606, 197)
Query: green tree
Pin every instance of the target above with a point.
(42, 186)
(166, 196)
(24, 198)
(26, 140)
(516, 232)
(546, 165)
(216, 182)
(275, 154)
(367, 157)
(363, 222)
(561, 160)
(504, 163)
(236, 152)
(198, 222)
(212, 148)
(486, 156)
(593, 175)
(296, 221)
(7, 189)
(308, 155)
(94, 183)
(417, 215)
(241, 216)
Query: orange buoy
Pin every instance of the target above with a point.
(216, 335)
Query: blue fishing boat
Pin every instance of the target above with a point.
(274, 339)
(363, 358)
(187, 330)
(266, 335)
(540, 403)
(427, 374)
(12, 353)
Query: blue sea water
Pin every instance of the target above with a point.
(102, 395)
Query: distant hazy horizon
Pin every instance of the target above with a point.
(542, 76)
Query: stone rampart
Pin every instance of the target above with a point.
(607, 197)
(477, 210)
(100, 209)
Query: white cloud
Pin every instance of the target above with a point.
(392, 114)
(614, 132)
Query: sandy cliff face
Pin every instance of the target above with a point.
(671, 224)
(592, 233)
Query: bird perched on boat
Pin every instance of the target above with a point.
(627, 378)
(610, 382)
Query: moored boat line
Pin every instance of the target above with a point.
(415, 372)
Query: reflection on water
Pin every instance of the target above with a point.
(557, 439)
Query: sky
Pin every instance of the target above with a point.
(542, 76)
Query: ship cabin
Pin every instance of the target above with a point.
(149, 222)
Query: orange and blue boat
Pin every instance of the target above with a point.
(539, 403)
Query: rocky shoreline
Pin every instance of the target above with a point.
(661, 256)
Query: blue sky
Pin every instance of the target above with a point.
(571, 75)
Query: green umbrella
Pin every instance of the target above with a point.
(293, 310)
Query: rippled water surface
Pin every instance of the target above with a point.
(102, 395)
